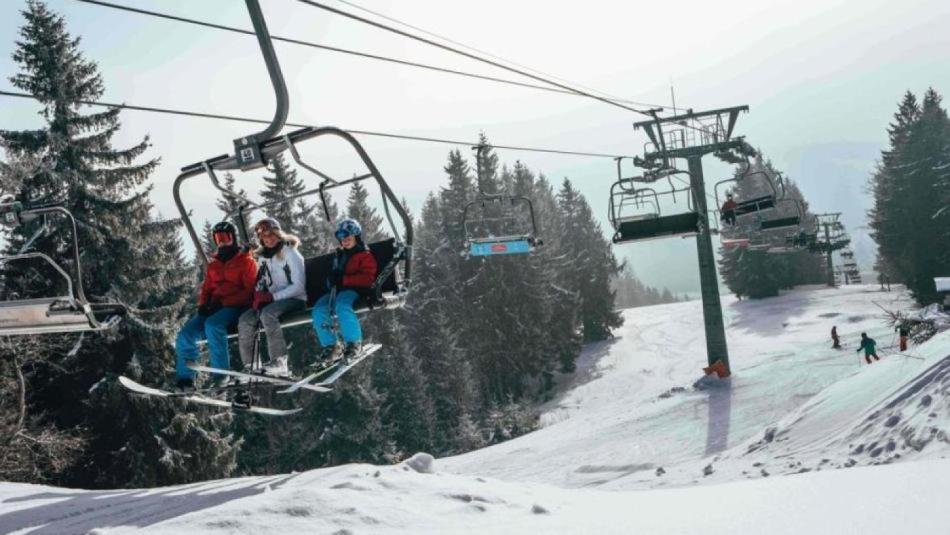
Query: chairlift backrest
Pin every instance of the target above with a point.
(58, 314)
(318, 269)
(490, 224)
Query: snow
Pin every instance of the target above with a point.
(628, 446)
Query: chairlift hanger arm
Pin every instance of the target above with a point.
(296, 156)
(247, 148)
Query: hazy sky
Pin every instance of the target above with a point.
(822, 79)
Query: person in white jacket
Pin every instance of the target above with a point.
(281, 288)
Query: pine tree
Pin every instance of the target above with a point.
(408, 414)
(909, 218)
(128, 256)
(884, 220)
(284, 183)
(358, 208)
(592, 263)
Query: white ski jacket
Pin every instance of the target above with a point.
(284, 274)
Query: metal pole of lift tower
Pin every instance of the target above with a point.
(714, 137)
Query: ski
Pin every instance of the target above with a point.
(342, 368)
(258, 376)
(306, 380)
(338, 372)
(201, 400)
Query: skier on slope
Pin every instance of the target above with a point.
(281, 288)
(226, 292)
(903, 330)
(352, 275)
(836, 342)
(869, 346)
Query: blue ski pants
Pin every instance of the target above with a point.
(349, 323)
(214, 328)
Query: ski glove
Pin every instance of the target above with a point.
(262, 299)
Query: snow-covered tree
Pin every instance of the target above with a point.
(127, 255)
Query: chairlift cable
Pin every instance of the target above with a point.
(187, 113)
(475, 57)
(560, 88)
(489, 54)
(346, 51)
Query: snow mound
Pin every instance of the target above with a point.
(896, 409)
(422, 463)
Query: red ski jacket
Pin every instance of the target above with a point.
(231, 283)
(360, 270)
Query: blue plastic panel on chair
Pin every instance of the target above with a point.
(500, 247)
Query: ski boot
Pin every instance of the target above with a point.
(327, 357)
(242, 399)
(219, 381)
(277, 367)
(185, 385)
(350, 351)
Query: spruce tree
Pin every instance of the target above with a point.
(408, 414)
(127, 255)
(909, 217)
(592, 264)
(358, 208)
(282, 182)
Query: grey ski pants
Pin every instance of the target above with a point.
(270, 320)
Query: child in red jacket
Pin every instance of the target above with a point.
(353, 275)
(227, 291)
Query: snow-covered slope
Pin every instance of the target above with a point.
(636, 413)
(629, 421)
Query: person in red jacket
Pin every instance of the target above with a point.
(728, 210)
(227, 291)
(353, 275)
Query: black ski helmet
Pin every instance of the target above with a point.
(227, 227)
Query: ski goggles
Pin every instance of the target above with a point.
(341, 234)
(222, 237)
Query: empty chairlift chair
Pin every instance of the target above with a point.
(635, 215)
(498, 223)
(63, 313)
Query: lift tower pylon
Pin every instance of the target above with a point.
(691, 136)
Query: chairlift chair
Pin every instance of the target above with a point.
(753, 205)
(393, 255)
(488, 234)
(635, 215)
(498, 223)
(65, 313)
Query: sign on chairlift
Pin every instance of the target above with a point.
(500, 248)
(942, 284)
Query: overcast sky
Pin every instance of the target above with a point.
(822, 79)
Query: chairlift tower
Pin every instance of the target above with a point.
(835, 239)
(691, 136)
